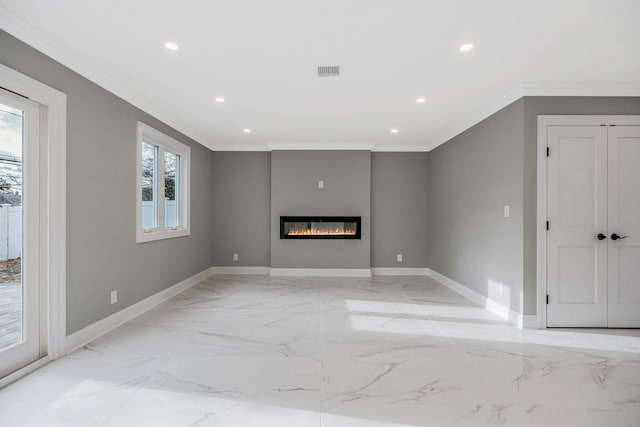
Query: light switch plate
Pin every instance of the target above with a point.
(320, 184)
(507, 212)
(114, 297)
(235, 257)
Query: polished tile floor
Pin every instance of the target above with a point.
(349, 352)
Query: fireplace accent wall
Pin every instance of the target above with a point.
(320, 227)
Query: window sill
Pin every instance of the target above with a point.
(143, 237)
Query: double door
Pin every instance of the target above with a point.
(593, 237)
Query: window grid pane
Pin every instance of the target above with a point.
(149, 185)
(171, 189)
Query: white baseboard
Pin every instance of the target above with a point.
(378, 271)
(101, 327)
(530, 321)
(240, 270)
(493, 306)
(325, 272)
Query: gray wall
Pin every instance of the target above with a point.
(294, 191)
(534, 106)
(399, 209)
(102, 253)
(241, 210)
(470, 178)
(467, 180)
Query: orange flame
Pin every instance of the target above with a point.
(318, 232)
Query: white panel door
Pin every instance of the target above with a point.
(624, 226)
(577, 214)
(20, 287)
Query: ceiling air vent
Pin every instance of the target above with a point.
(328, 71)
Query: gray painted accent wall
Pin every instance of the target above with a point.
(399, 210)
(470, 178)
(242, 208)
(533, 107)
(294, 191)
(102, 254)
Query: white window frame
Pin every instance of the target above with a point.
(146, 133)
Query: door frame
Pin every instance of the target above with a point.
(53, 141)
(545, 121)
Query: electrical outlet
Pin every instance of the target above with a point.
(235, 257)
(320, 184)
(399, 257)
(114, 297)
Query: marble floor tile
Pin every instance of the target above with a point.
(168, 408)
(387, 345)
(254, 342)
(274, 303)
(230, 319)
(288, 382)
(401, 324)
(79, 391)
(367, 303)
(332, 352)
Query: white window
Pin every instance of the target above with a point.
(162, 186)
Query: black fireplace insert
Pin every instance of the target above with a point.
(320, 227)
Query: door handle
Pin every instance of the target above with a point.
(600, 236)
(614, 236)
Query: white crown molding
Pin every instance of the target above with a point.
(472, 118)
(28, 34)
(39, 41)
(580, 89)
(254, 147)
(399, 149)
(535, 89)
(320, 146)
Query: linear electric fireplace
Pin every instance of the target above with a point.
(320, 227)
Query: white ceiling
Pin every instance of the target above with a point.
(261, 56)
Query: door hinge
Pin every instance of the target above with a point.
(547, 225)
(548, 151)
(547, 298)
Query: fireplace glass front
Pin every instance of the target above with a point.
(320, 227)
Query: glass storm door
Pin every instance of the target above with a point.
(20, 295)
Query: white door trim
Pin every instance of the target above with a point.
(53, 137)
(541, 219)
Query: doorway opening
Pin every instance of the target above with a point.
(32, 224)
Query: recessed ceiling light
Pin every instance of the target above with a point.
(171, 46)
(466, 47)
(246, 130)
(420, 100)
(394, 130)
(219, 99)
